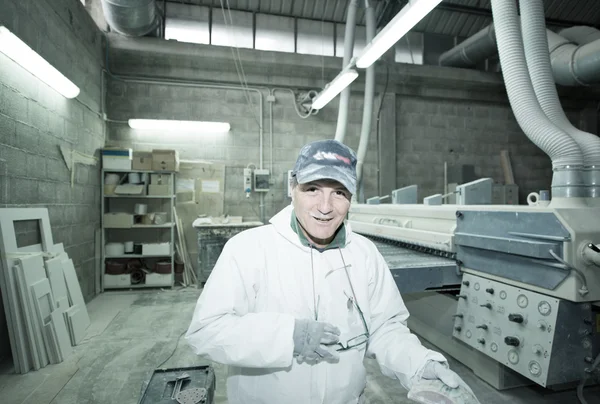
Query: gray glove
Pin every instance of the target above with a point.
(310, 338)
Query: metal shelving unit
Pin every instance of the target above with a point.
(139, 233)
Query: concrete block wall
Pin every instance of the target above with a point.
(237, 149)
(462, 131)
(35, 120)
(459, 116)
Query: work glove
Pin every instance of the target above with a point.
(311, 339)
(436, 370)
(436, 383)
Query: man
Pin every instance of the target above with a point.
(294, 307)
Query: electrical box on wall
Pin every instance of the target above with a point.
(289, 182)
(247, 181)
(261, 180)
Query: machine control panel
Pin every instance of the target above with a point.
(517, 327)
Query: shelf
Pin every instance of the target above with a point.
(140, 196)
(137, 256)
(137, 286)
(137, 171)
(143, 226)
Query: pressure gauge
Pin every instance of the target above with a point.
(513, 356)
(544, 308)
(534, 368)
(522, 301)
(502, 294)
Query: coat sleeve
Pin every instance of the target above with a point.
(398, 352)
(224, 327)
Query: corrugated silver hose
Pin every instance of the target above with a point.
(131, 17)
(563, 151)
(535, 41)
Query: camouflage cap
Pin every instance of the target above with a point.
(327, 159)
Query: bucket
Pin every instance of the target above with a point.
(140, 209)
(111, 179)
(134, 178)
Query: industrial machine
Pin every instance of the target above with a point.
(512, 291)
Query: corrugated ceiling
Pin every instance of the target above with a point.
(451, 17)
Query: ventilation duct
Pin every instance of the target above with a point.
(535, 42)
(572, 65)
(369, 96)
(342, 121)
(131, 17)
(580, 34)
(472, 50)
(567, 160)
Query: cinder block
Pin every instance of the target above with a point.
(47, 192)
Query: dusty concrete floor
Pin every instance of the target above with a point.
(134, 332)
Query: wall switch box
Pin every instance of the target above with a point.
(261, 180)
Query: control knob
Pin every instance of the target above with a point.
(516, 318)
(512, 341)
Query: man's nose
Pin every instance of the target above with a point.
(325, 205)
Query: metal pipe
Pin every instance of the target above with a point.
(342, 122)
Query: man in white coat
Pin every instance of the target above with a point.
(295, 306)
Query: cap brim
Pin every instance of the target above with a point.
(327, 172)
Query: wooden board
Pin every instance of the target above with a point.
(74, 291)
(54, 271)
(8, 244)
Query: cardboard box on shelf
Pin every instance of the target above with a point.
(153, 279)
(159, 190)
(160, 179)
(156, 249)
(116, 159)
(165, 160)
(142, 160)
(118, 220)
(117, 280)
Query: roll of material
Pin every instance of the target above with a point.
(140, 209)
(114, 249)
(129, 247)
(111, 179)
(134, 178)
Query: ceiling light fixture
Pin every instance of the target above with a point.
(28, 59)
(403, 22)
(335, 87)
(188, 126)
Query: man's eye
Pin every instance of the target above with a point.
(311, 189)
(341, 193)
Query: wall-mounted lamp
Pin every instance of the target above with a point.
(28, 59)
(335, 87)
(403, 22)
(188, 126)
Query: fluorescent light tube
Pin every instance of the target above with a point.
(403, 22)
(188, 126)
(28, 59)
(336, 86)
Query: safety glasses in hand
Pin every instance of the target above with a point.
(359, 339)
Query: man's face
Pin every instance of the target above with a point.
(321, 207)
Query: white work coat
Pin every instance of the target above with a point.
(263, 281)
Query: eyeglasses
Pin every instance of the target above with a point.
(352, 302)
